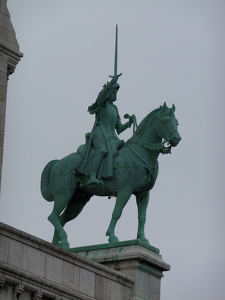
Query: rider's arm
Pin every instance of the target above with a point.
(121, 127)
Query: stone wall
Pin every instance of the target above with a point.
(9, 58)
(31, 269)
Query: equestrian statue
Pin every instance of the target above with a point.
(108, 166)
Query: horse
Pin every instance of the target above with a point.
(135, 171)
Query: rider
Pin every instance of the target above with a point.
(103, 137)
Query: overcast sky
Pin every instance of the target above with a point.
(169, 51)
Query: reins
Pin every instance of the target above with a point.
(161, 147)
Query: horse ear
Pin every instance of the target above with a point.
(173, 108)
(164, 106)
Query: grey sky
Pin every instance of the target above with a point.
(168, 51)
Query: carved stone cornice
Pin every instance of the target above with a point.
(37, 296)
(2, 282)
(10, 70)
(18, 290)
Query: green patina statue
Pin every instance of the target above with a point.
(103, 140)
(107, 166)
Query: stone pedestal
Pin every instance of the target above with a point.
(139, 261)
(32, 269)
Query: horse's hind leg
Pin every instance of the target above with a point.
(73, 209)
(75, 206)
(55, 240)
(60, 235)
(142, 204)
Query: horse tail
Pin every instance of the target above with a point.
(45, 181)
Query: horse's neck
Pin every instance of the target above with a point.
(151, 136)
(148, 143)
(148, 136)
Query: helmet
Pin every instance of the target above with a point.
(116, 86)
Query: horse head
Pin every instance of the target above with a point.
(166, 125)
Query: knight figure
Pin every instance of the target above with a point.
(103, 142)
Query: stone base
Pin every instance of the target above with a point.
(135, 259)
(32, 269)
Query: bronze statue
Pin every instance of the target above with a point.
(106, 166)
(103, 137)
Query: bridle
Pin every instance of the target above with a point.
(164, 147)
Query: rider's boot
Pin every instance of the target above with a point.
(94, 169)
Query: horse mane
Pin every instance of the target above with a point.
(142, 126)
(156, 113)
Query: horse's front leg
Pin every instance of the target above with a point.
(121, 201)
(142, 204)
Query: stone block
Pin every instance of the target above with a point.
(87, 282)
(8, 25)
(35, 262)
(70, 276)
(2, 106)
(103, 287)
(0, 167)
(119, 292)
(4, 249)
(1, 141)
(142, 285)
(8, 39)
(154, 285)
(17, 254)
(3, 64)
(3, 8)
(53, 269)
(3, 78)
(1, 18)
(2, 123)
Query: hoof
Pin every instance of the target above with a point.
(56, 243)
(144, 240)
(113, 239)
(64, 245)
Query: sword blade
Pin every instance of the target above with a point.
(116, 52)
